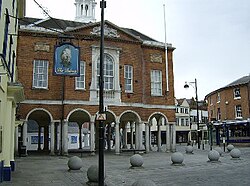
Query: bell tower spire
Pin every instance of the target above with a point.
(85, 11)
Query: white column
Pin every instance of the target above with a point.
(117, 138)
(140, 136)
(77, 10)
(136, 135)
(92, 136)
(65, 138)
(6, 146)
(59, 139)
(159, 137)
(147, 137)
(25, 126)
(125, 137)
(86, 139)
(16, 140)
(168, 137)
(52, 138)
(12, 141)
(173, 149)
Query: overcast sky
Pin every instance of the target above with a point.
(212, 37)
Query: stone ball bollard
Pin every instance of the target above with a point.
(235, 153)
(177, 158)
(219, 150)
(136, 160)
(93, 174)
(230, 147)
(189, 149)
(144, 182)
(75, 163)
(213, 155)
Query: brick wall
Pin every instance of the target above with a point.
(228, 102)
(132, 53)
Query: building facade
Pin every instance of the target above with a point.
(202, 132)
(11, 92)
(186, 121)
(138, 85)
(229, 110)
(183, 130)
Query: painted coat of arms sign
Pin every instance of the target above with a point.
(66, 60)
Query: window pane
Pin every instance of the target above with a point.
(156, 83)
(128, 75)
(238, 111)
(80, 81)
(40, 74)
(237, 92)
(108, 72)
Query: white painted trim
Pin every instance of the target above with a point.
(75, 110)
(39, 109)
(80, 102)
(127, 111)
(159, 113)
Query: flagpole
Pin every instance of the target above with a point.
(166, 48)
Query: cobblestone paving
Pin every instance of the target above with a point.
(197, 170)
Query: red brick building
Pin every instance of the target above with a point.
(229, 107)
(138, 85)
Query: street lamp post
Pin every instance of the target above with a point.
(210, 132)
(101, 105)
(197, 107)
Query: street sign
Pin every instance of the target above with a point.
(101, 117)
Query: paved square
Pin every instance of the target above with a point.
(53, 170)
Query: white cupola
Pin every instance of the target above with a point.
(85, 11)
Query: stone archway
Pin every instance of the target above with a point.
(110, 125)
(158, 134)
(110, 129)
(78, 128)
(130, 124)
(38, 130)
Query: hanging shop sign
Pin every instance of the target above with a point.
(67, 60)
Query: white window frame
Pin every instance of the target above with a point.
(81, 79)
(218, 97)
(108, 78)
(182, 110)
(237, 93)
(177, 110)
(156, 83)
(128, 78)
(40, 75)
(238, 111)
(182, 122)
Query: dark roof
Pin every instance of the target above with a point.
(27, 20)
(63, 24)
(180, 101)
(50, 23)
(60, 24)
(241, 81)
(138, 34)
